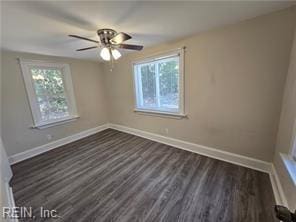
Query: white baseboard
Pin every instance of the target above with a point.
(200, 149)
(248, 162)
(49, 146)
(196, 148)
(10, 201)
(278, 190)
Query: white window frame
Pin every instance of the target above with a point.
(293, 153)
(293, 143)
(26, 65)
(289, 159)
(161, 56)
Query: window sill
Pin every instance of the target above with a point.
(56, 123)
(160, 114)
(290, 165)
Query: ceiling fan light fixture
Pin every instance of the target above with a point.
(109, 40)
(116, 54)
(105, 54)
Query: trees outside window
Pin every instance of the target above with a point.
(159, 84)
(50, 91)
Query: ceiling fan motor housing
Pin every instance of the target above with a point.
(109, 39)
(105, 35)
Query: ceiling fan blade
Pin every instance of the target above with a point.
(80, 37)
(92, 47)
(131, 47)
(120, 37)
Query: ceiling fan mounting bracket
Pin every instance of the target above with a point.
(105, 35)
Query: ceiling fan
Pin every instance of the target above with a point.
(110, 40)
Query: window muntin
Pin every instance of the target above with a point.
(159, 84)
(50, 91)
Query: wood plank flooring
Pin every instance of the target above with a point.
(114, 176)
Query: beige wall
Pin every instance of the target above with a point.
(234, 83)
(285, 133)
(234, 79)
(3, 168)
(16, 115)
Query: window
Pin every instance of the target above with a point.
(159, 84)
(294, 152)
(293, 142)
(50, 92)
(292, 163)
(290, 158)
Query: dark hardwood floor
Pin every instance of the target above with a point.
(114, 176)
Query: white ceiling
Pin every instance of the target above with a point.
(43, 27)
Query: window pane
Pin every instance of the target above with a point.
(169, 84)
(47, 81)
(58, 107)
(52, 107)
(49, 89)
(147, 73)
(157, 84)
(294, 151)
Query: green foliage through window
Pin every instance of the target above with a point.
(50, 92)
(158, 84)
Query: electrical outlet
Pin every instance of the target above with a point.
(166, 130)
(49, 137)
